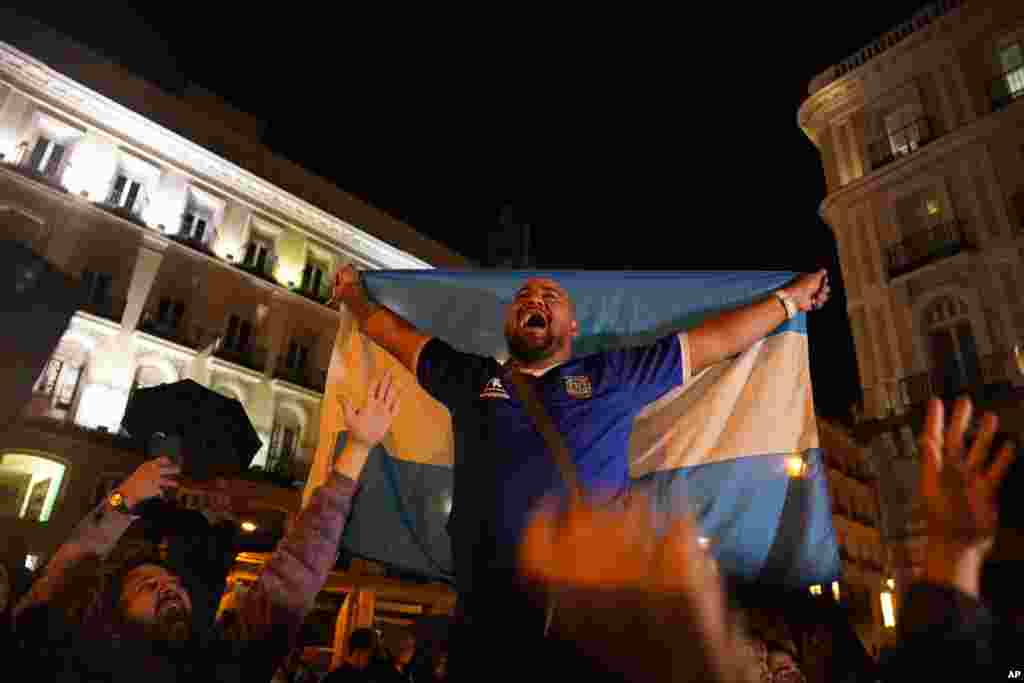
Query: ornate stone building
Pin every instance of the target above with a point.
(921, 135)
(199, 254)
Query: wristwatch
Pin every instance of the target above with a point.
(116, 501)
(787, 303)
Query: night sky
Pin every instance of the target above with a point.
(627, 139)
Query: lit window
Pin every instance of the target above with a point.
(891, 583)
(932, 207)
(30, 485)
(816, 589)
(128, 194)
(835, 590)
(906, 130)
(32, 562)
(888, 613)
(1011, 58)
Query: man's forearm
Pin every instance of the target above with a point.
(733, 332)
(385, 327)
(96, 535)
(352, 459)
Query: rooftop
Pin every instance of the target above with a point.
(920, 20)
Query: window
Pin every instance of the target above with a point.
(258, 254)
(1011, 59)
(283, 441)
(932, 208)
(951, 345)
(170, 313)
(313, 277)
(296, 358)
(906, 129)
(238, 333)
(29, 486)
(128, 194)
(32, 561)
(59, 380)
(96, 286)
(46, 157)
(193, 225)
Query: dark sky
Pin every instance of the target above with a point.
(629, 140)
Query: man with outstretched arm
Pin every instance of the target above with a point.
(502, 467)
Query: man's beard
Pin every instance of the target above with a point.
(172, 628)
(524, 352)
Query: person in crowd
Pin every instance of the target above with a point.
(142, 626)
(357, 665)
(502, 469)
(945, 626)
(396, 668)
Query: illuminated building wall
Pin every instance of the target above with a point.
(921, 135)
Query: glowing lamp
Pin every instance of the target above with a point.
(816, 589)
(248, 527)
(795, 466)
(835, 590)
(891, 583)
(888, 613)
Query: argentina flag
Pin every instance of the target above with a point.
(737, 444)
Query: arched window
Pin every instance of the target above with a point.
(29, 485)
(951, 346)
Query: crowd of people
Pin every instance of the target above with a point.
(588, 587)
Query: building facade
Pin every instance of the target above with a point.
(921, 135)
(198, 254)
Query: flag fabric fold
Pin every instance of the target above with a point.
(737, 445)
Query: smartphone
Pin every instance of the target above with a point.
(167, 445)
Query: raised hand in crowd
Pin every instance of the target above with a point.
(646, 606)
(960, 485)
(367, 426)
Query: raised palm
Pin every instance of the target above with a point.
(368, 425)
(959, 484)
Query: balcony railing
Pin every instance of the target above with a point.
(29, 172)
(927, 246)
(321, 294)
(193, 243)
(252, 358)
(192, 336)
(1007, 88)
(314, 380)
(993, 370)
(124, 212)
(109, 308)
(900, 143)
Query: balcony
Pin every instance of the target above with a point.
(109, 308)
(314, 380)
(320, 295)
(175, 331)
(261, 268)
(195, 243)
(900, 143)
(993, 373)
(123, 212)
(1007, 88)
(251, 358)
(927, 246)
(25, 170)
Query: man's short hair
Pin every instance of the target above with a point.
(361, 639)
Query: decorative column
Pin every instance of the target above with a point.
(147, 264)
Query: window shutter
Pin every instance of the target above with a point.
(317, 278)
(306, 276)
(133, 193)
(117, 189)
(250, 252)
(53, 165)
(200, 230)
(38, 152)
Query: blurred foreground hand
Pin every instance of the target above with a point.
(647, 606)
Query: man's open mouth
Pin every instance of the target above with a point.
(533, 320)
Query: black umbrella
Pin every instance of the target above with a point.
(218, 439)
